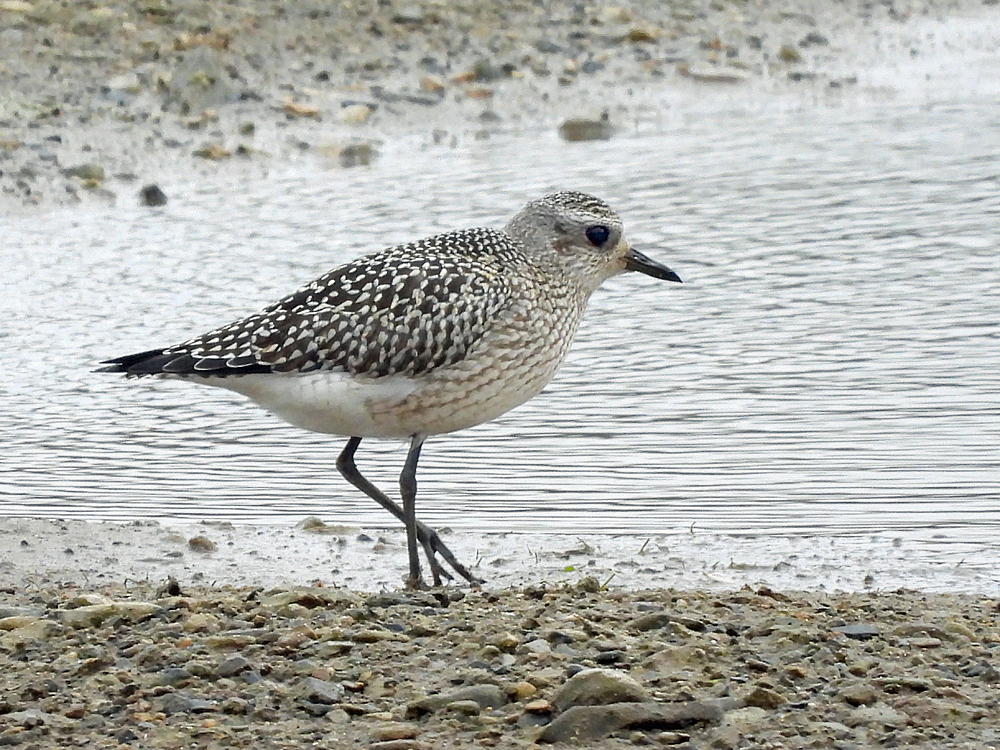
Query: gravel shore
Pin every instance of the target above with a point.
(110, 638)
(170, 666)
(102, 98)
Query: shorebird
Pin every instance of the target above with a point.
(420, 339)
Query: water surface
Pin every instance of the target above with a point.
(831, 363)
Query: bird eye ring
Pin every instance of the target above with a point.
(598, 235)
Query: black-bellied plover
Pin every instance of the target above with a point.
(419, 339)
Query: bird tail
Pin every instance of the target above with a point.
(135, 365)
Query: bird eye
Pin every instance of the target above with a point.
(598, 235)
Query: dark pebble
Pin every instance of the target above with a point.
(858, 631)
(232, 666)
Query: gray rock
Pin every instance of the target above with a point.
(877, 715)
(485, 696)
(181, 703)
(594, 687)
(589, 723)
(232, 666)
(859, 694)
(857, 630)
(321, 691)
(813, 38)
(173, 676)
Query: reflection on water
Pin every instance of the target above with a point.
(831, 363)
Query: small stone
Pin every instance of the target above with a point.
(88, 171)
(17, 621)
(202, 622)
(877, 715)
(179, 703)
(789, 54)
(643, 33)
(464, 707)
(126, 82)
(537, 646)
(858, 631)
(396, 730)
(355, 114)
(859, 694)
(173, 676)
(764, 697)
(587, 130)
(212, 152)
(593, 687)
(235, 706)
(433, 84)
(294, 110)
(540, 706)
(813, 38)
(232, 666)
(95, 614)
(524, 689)
(400, 745)
(357, 154)
(712, 74)
(201, 543)
(610, 657)
(411, 15)
(152, 195)
(321, 691)
(485, 696)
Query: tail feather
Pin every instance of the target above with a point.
(167, 362)
(144, 363)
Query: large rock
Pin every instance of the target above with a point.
(589, 723)
(595, 687)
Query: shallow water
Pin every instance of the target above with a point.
(831, 364)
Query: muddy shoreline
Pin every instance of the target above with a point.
(102, 99)
(172, 636)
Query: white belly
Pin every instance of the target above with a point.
(327, 402)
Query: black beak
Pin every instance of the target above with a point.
(636, 261)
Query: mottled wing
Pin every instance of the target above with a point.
(406, 310)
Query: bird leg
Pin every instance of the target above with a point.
(427, 537)
(408, 491)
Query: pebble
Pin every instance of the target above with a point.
(152, 195)
(582, 129)
(484, 696)
(201, 543)
(592, 687)
(394, 731)
(858, 630)
(859, 694)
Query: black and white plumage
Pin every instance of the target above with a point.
(419, 339)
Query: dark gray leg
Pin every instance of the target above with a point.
(428, 537)
(408, 491)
